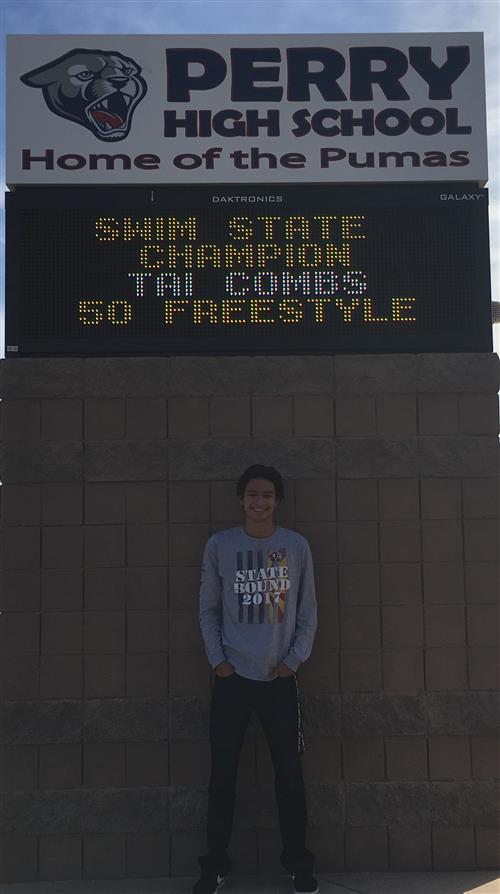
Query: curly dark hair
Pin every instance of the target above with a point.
(259, 471)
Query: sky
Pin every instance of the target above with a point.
(286, 17)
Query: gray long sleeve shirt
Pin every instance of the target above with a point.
(257, 601)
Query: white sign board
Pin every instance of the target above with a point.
(336, 108)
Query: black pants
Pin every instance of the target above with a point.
(234, 699)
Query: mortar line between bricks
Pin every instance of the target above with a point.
(428, 753)
(126, 837)
(423, 602)
(39, 658)
(38, 846)
(465, 604)
(339, 631)
(380, 598)
(344, 834)
(474, 839)
(433, 857)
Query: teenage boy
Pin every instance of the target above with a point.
(258, 620)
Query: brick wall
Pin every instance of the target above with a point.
(114, 474)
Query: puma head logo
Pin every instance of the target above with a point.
(94, 88)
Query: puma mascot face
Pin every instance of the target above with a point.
(97, 89)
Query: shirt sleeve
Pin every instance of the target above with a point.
(306, 620)
(211, 605)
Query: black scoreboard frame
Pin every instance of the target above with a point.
(437, 233)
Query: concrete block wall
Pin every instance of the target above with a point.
(115, 471)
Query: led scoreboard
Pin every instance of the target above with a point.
(273, 269)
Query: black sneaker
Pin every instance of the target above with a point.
(305, 883)
(208, 884)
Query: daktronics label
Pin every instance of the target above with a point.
(197, 271)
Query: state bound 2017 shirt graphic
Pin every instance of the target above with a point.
(263, 583)
(257, 601)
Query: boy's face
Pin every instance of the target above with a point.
(259, 500)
